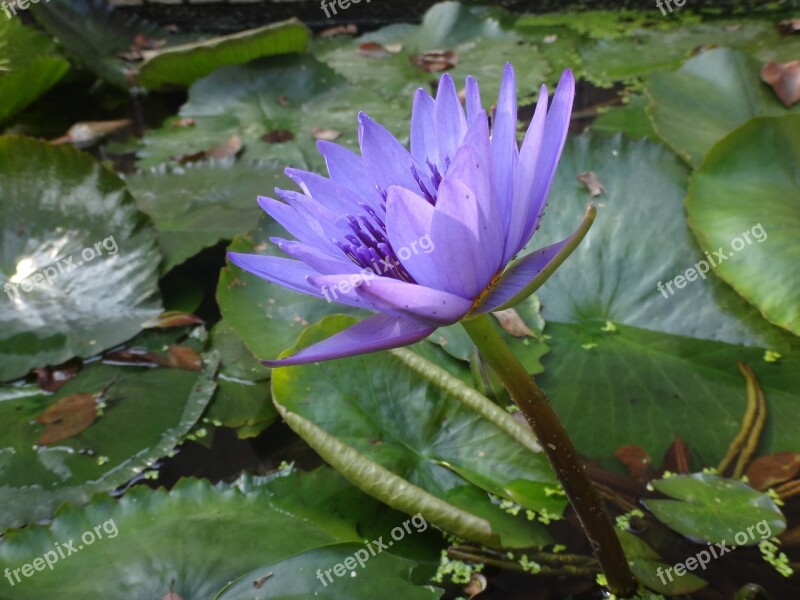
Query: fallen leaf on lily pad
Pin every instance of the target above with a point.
(768, 471)
(435, 61)
(228, 149)
(373, 50)
(338, 30)
(789, 26)
(184, 358)
(67, 418)
(172, 318)
(328, 135)
(277, 136)
(184, 122)
(637, 460)
(784, 79)
(592, 182)
(512, 323)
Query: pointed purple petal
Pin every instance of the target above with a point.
(451, 124)
(319, 260)
(338, 199)
(416, 301)
(474, 105)
(408, 220)
(524, 178)
(423, 133)
(381, 332)
(504, 143)
(296, 223)
(387, 162)
(346, 168)
(286, 272)
(555, 135)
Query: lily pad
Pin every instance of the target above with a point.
(646, 564)
(146, 413)
(655, 365)
(745, 198)
(481, 42)
(273, 105)
(78, 262)
(719, 89)
(409, 425)
(185, 64)
(190, 540)
(29, 66)
(195, 206)
(630, 119)
(242, 400)
(716, 509)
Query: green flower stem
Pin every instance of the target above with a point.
(560, 452)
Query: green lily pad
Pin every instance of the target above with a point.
(655, 365)
(651, 570)
(242, 400)
(146, 413)
(183, 65)
(717, 510)
(194, 207)
(630, 119)
(481, 41)
(194, 539)
(69, 222)
(407, 424)
(29, 66)
(720, 89)
(273, 105)
(745, 198)
(295, 577)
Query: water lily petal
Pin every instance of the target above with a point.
(284, 271)
(474, 105)
(408, 220)
(451, 124)
(464, 266)
(296, 223)
(346, 168)
(418, 301)
(504, 143)
(523, 204)
(381, 332)
(424, 147)
(386, 160)
(321, 261)
(555, 135)
(337, 198)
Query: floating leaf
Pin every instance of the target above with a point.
(67, 418)
(745, 200)
(770, 470)
(78, 262)
(714, 509)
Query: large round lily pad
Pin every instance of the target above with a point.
(146, 413)
(745, 199)
(78, 262)
(196, 539)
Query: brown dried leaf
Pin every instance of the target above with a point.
(227, 149)
(637, 460)
(784, 79)
(260, 581)
(136, 356)
(277, 136)
(338, 30)
(67, 418)
(182, 357)
(592, 182)
(172, 318)
(789, 26)
(184, 122)
(435, 61)
(676, 457)
(373, 50)
(89, 132)
(328, 135)
(512, 323)
(768, 471)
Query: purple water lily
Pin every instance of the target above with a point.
(422, 237)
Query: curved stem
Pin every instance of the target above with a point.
(560, 452)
